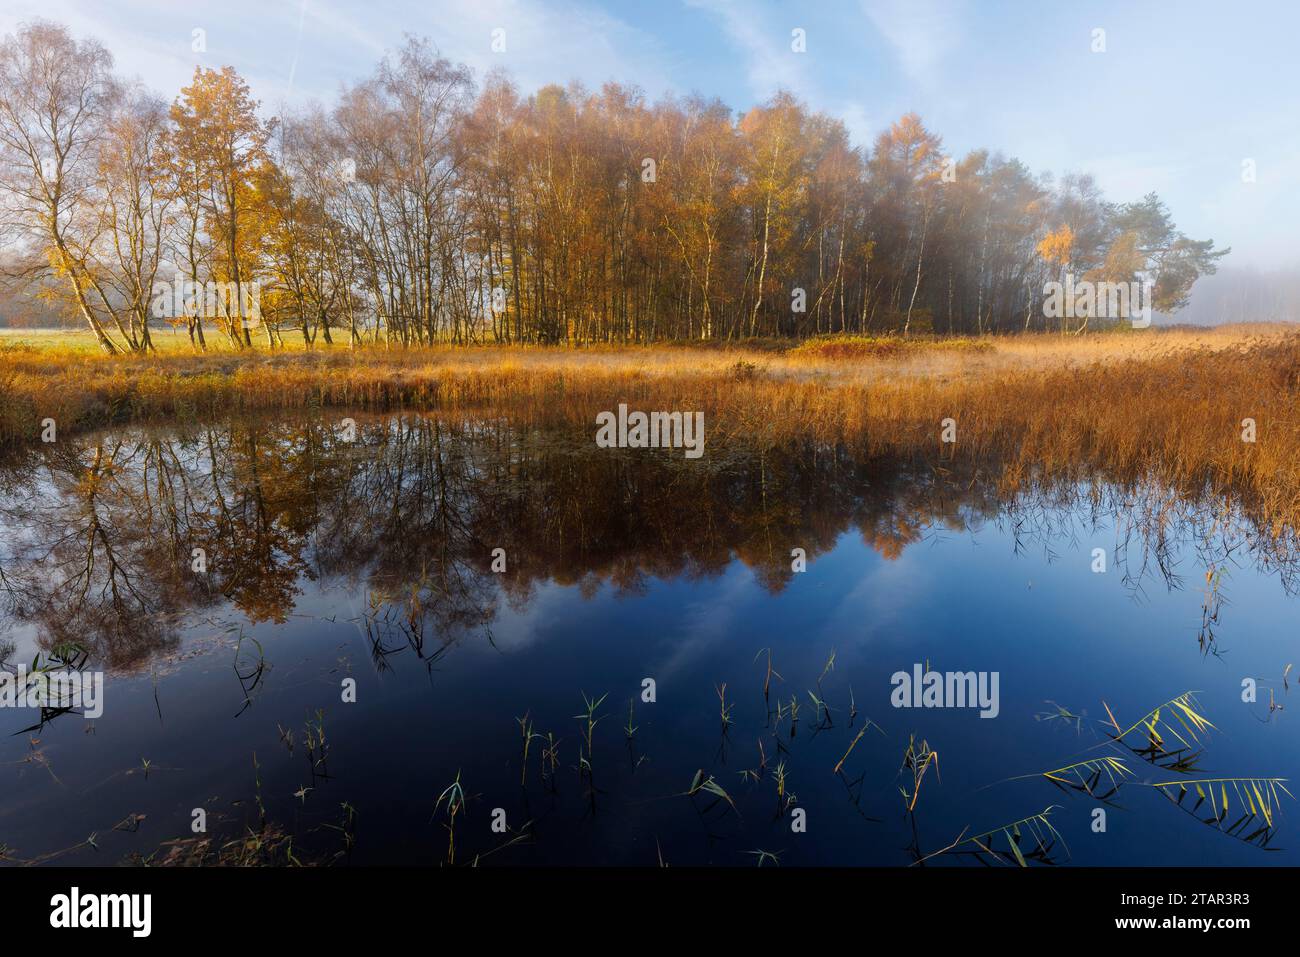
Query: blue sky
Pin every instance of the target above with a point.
(1184, 92)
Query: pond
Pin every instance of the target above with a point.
(413, 640)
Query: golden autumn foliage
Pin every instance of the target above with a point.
(1057, 247)
(418, 209)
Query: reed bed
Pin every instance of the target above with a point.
(1171, 406)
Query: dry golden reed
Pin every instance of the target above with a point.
(1169, 406)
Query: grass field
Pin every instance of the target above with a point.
(1170, 404)
(840, 356)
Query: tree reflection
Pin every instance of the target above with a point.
(99, 534)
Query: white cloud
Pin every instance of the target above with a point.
(708, 620)
(327, 42)
(885, 592)
(923, 33)
(769, 62)
(551, 42)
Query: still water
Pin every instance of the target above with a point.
(580, 638)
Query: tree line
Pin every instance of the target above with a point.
(422, 207)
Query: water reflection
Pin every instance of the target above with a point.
(103, 536)
(318, 543)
